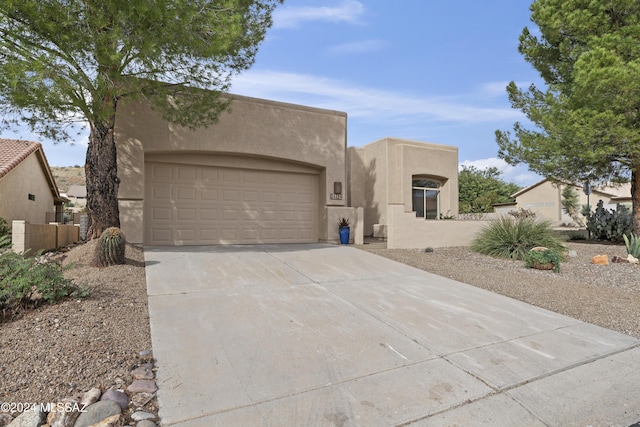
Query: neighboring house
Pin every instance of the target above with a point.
(27, 188)
(76, 192)
(270, 172)
(545, 199)
(78, 195)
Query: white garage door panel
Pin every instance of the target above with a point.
(195, 205)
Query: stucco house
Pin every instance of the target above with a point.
(27, 188)
(419, 180)
(545, 199)
(271, 172)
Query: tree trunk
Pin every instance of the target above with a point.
(101, 172)
(635, 196)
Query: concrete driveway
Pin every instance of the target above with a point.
(320, 335)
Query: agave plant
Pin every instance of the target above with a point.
(633, 244)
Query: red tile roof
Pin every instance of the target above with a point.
(13, 151)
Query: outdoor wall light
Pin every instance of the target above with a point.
(337, 187)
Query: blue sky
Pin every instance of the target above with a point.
(425, 70)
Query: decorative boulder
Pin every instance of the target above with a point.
(600, 260)
(619, 259)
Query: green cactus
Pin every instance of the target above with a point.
(110, 248)
(610, 224)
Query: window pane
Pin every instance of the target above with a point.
(425, 183)
(432, 204)
(418, 203)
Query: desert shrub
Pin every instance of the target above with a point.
(522, 213)
(25, 282)
(610, 224)
(532, 259)
(632, 242)
(571, 204)
(5, 233)
(513, 238)
(577, 235)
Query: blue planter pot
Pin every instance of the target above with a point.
(344, 235)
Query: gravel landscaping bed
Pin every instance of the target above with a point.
(62, 350)
(605, 295)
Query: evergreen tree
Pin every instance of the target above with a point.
(69, 61)
(587, 118)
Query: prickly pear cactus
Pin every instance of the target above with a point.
(110, 248)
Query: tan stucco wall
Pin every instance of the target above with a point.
(381, 174)
(544, 200)
(254, 132)
(15, 187)
(356, 224)
(407, 231)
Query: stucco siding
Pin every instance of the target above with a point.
(544, 200)
(254, 134)
(384, 170)
(253, 127)
(15, 187)
(407, 231)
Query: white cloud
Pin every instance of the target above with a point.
(519, 175)
(349, 11)
(364, 102)
(358, 47)
(495, 89)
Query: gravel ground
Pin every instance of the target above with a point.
(605, 295)
(61, 350)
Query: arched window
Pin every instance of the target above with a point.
(426, 198)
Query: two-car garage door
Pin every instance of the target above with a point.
(202, 205)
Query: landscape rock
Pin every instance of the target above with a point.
(142, 373)
(29, 419)
(600, 260)
(118, 396)
(98, 413)
(145, 354)
(142, 415)
(572, 253)
(632, 259)
(539, 249)
(142, 386)
(64, 418)
(619, 260)
(91, 396)
(146, 423)
(141, 399)
(5, 420)
(112, 421)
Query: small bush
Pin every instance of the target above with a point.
(24, 283)
(522, 213)
(610, 224)
(577, 235)
(513, 238)
(5, 233)
(534, 259)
